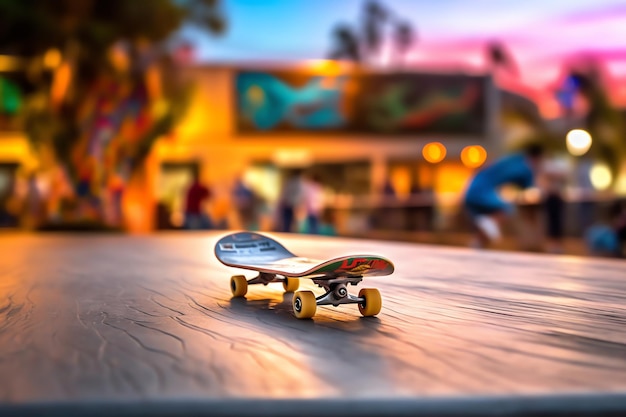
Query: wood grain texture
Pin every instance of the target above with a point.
(118, 317)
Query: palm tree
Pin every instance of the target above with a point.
(346, 44)
(364, 45)
(499, 58)
(404, 38)
(375, 16)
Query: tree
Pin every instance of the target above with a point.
(404, 38)
(375, 17)
(100, 85)
(603, 121)
(346, 44)
(499, 58)
(363, 45)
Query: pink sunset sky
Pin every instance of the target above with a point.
(542, 36)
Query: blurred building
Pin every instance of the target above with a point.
(393, 150)
(376, 140)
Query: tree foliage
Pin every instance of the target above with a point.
(603, 120)
(30, 27)
(99, 73)
(362, 44)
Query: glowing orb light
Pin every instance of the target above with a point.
(473, 156)
(434, 152)
(578, 142)
(600, 176)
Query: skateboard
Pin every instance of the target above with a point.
(274, 263)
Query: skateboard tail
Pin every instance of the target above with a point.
(357, 265)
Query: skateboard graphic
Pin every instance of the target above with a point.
(274, 263)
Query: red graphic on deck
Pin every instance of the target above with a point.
(355, 265)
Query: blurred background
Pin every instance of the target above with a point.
(348, 118)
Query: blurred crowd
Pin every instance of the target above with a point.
(529, 169)
(46, 200)
(300, 206)
(38, 200)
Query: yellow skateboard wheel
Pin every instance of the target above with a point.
(372, 302)
(304, 304)
(238, 285)
(291, 284)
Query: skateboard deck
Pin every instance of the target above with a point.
(275, 263)
(254, 251)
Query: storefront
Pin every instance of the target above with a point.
(363, 134)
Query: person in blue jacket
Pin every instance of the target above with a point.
(482, 200)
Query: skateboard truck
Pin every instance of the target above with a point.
(305, 303)
(337, 291)
(239, 283)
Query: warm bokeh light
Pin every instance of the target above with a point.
(52, 58)
(119, 58)
(600, 176)
(327, 67)
(449, 181)
(532, 195)
(9, 63)
(578, 142)
(60, 83)
(473, 156)
(292, 158)
(434, 152)
(425, 176)
(265, 180)
(401, 181)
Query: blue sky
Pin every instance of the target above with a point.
(300, 29)
(541, 35)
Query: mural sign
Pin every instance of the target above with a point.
(370, 104)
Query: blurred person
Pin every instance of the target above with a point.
(482, 200)
(388, 190)
(327, 223)
(313, 196)
(423, 209)
(87, 196)
(618, 212)
(197, 194)
(608, 238)
(266, 214)
(290, 198)
(58, 189)
(380, 215)
(113, 198)
(586, 200)
(9, 203)
(34, 204)
(601, 240)
(244, 200)
(554, 206)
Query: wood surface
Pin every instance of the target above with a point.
(102, 318)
